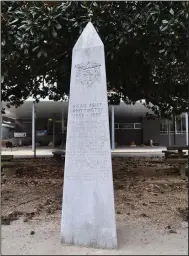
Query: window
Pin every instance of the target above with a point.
(163, 126)
(58, 126)
(138, 126)
(128, 126)
(180, 126)
(7, 133)
(183, 125)
(116, 126)
(171, 125)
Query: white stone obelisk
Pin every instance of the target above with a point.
(88, 212)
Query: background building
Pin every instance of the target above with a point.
(130, 124)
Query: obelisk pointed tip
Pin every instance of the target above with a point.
(89, 38)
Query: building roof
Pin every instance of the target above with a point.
(46, 109)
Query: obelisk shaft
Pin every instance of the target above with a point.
(88, 214)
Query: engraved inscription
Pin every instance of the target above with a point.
(86, 110)
(88, 157)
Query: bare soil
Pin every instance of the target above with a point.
(145, 189)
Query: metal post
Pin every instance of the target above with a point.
(1, 121)
(33, 129)
(113, 129)
(188, 89)
(53, 139)
(174, 124)
(169, 134)
(186, 120)
(63, 121)
(63, 139)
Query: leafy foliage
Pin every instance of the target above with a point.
(145, 44)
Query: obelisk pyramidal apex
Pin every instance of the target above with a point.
(88, 211)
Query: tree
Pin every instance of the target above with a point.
(145, 46)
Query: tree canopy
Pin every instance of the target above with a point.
(146, 49)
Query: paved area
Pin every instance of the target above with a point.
(133, 239)
(47, 152)
(147, 151)
(27, 152)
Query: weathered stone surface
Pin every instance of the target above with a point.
(88, 214)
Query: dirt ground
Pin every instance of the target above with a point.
(147, 191)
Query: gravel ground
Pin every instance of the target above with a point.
(139, 238)
(151, 204)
